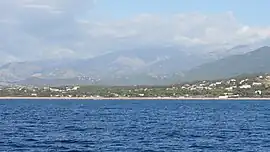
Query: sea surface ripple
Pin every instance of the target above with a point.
(134, 125)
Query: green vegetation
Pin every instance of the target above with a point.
(245, 86)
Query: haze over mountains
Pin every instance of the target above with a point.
(124, 67)
(253, 62)
(156, 67)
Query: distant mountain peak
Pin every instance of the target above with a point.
(260, 51)
(136, 64)
(263, 48)
(256, 61)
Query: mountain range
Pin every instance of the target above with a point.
(149, 66)
(256, 61)
(126, 67)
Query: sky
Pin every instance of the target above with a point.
(46, 29)
(249, 12)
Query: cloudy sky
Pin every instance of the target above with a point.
(41, 29)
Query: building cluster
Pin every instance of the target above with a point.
(238, 87)
(230, 87)
(31, 91)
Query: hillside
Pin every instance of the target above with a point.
(255, 86)
(124, 67)
(252, 62)
(148, 66)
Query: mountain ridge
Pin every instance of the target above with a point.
(156, 67)
(252, 62)
(139, 66)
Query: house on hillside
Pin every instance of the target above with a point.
(245, 86)
(257, 84)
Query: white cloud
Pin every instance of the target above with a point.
(35, 29)
(186, 30)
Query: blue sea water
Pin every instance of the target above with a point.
(119, 125)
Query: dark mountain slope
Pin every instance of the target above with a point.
(257, 61)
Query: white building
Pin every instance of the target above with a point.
(256, 84)
(223, 97)
(141, 95)
(218, 83)
(230, 88)
(259, 92)
(34, 94)
(212, 85)
(245, 86)
(54, 89)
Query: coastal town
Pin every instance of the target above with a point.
(253, 86)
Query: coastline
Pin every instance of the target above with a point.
(127, 98)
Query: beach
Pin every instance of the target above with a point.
(127, 98)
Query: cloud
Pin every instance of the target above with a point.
(28, 28)
(39, 29)
(183, 30)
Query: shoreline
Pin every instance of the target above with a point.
(127, 98)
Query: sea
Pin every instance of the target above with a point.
(134, 126)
